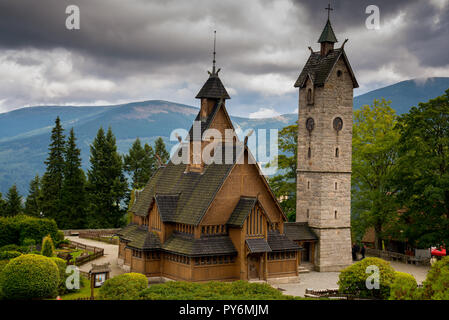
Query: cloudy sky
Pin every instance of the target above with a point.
(148, 49)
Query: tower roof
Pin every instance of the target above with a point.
(213, 88)
(328, 34)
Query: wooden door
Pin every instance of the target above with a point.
(253, 266)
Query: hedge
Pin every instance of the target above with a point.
(62, 266)
(404, 287)
(352, 280)
(436, 285)
(126, 286)
(8, 255)
(14, 230)
(29, 276)
(213, 290)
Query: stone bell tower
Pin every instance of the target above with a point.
(326, 86)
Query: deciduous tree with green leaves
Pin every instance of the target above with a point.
(33, 206)
(374, 155)
(284, 184)
(423, 172)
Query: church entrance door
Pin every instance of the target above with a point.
(254, 266)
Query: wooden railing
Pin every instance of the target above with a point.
(394, 256)
(96, 252)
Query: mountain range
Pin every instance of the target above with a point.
(25, 133)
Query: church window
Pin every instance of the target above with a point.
(339, 73)
(335, 214)
(308, 213)
(309, 153)
(308, 184)
(338, 124)
(310, 124)
(309, 96)
(337, 153)
(336, 184)
(255, 222)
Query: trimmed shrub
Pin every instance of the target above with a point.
(404, 287)
(62, 265)
(214, 290)
(12, 247)
(29, 276)
(8, 255)
(436, 285)
(48, 248)
(126, 286)
(352, 280)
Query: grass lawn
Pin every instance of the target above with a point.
(83, 292)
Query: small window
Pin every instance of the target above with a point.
(337, 153)
(339, 73)
(308, 213)
(336, 185)
(309, 153)
(309, 96)
(335, 214)
(308, 184)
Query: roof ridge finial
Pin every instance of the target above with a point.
(329, 9)
(213, 62)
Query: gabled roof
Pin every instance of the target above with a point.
(280, 242)
(328, 34)
(213, 89)
(241, 211)
(319, 68)
(167, 204)
(258, 245)
(187, 245)
(299, 231)
(139, 237)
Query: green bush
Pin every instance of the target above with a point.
(404, 287)
(436, 285)
(214, 290)
(48, 248)
(29, 276)
(62, 265)
(13, 247)
(8, 255)
(14, 230)
(352, 280)
(126, 286)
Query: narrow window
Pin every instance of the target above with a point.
(336, 185)
(308, 213)
(309, 96)
(308, 184)
(337, 152)
(309, 153)
(335, 213)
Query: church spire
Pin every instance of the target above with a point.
(327, 38)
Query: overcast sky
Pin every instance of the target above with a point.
(146, 49)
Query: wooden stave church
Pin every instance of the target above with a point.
(202, 222)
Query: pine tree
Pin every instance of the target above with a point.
(48, 248)
(73, 202)
(13, 202)
(139, 164)
(159, 149)
(2, 205)
(107, 186)
(33, 205)
(54, 175)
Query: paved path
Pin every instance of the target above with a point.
(110, 255)
(328, 280)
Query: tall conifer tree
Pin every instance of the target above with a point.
(73, 188)
(33, 206)
(13, 202)
(54, 175)
(107, 186)
(159, 149)
(139, 163)
(2, 205)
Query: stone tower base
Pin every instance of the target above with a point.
(333, 249)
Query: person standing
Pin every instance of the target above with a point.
(363, 250)
(354, 252)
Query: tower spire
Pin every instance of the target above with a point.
(213, 62)
(329, 9)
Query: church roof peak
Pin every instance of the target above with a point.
(328, 34)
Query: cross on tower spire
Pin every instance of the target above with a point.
(213, 62)
(329, 9)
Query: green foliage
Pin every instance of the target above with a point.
(29, 276)
(284, 184)
(374, 155)
(33, 206)
(123, 287)
(423, 174)
(13, 204)
(2, 205)
(214, 290)
(48, 248)
(73, 200)
(404, 287)
(62, 265)
(160, 150)
(436, 285)
(139, 163)
(54, 175)
(107, 185)
(352, 280)
(8, 255)
(14, 230)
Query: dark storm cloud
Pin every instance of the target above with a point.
(141, 49)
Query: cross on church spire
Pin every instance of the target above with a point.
(213, 62)
(329, 9)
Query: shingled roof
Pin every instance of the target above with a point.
(328, 34)
(319, 67)
(258, 245)
(196, 191)
(299, 231)
(213, 89)
(280, 242)
(189, 246)
(167, 204)
(139, 237)
(241, 211)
